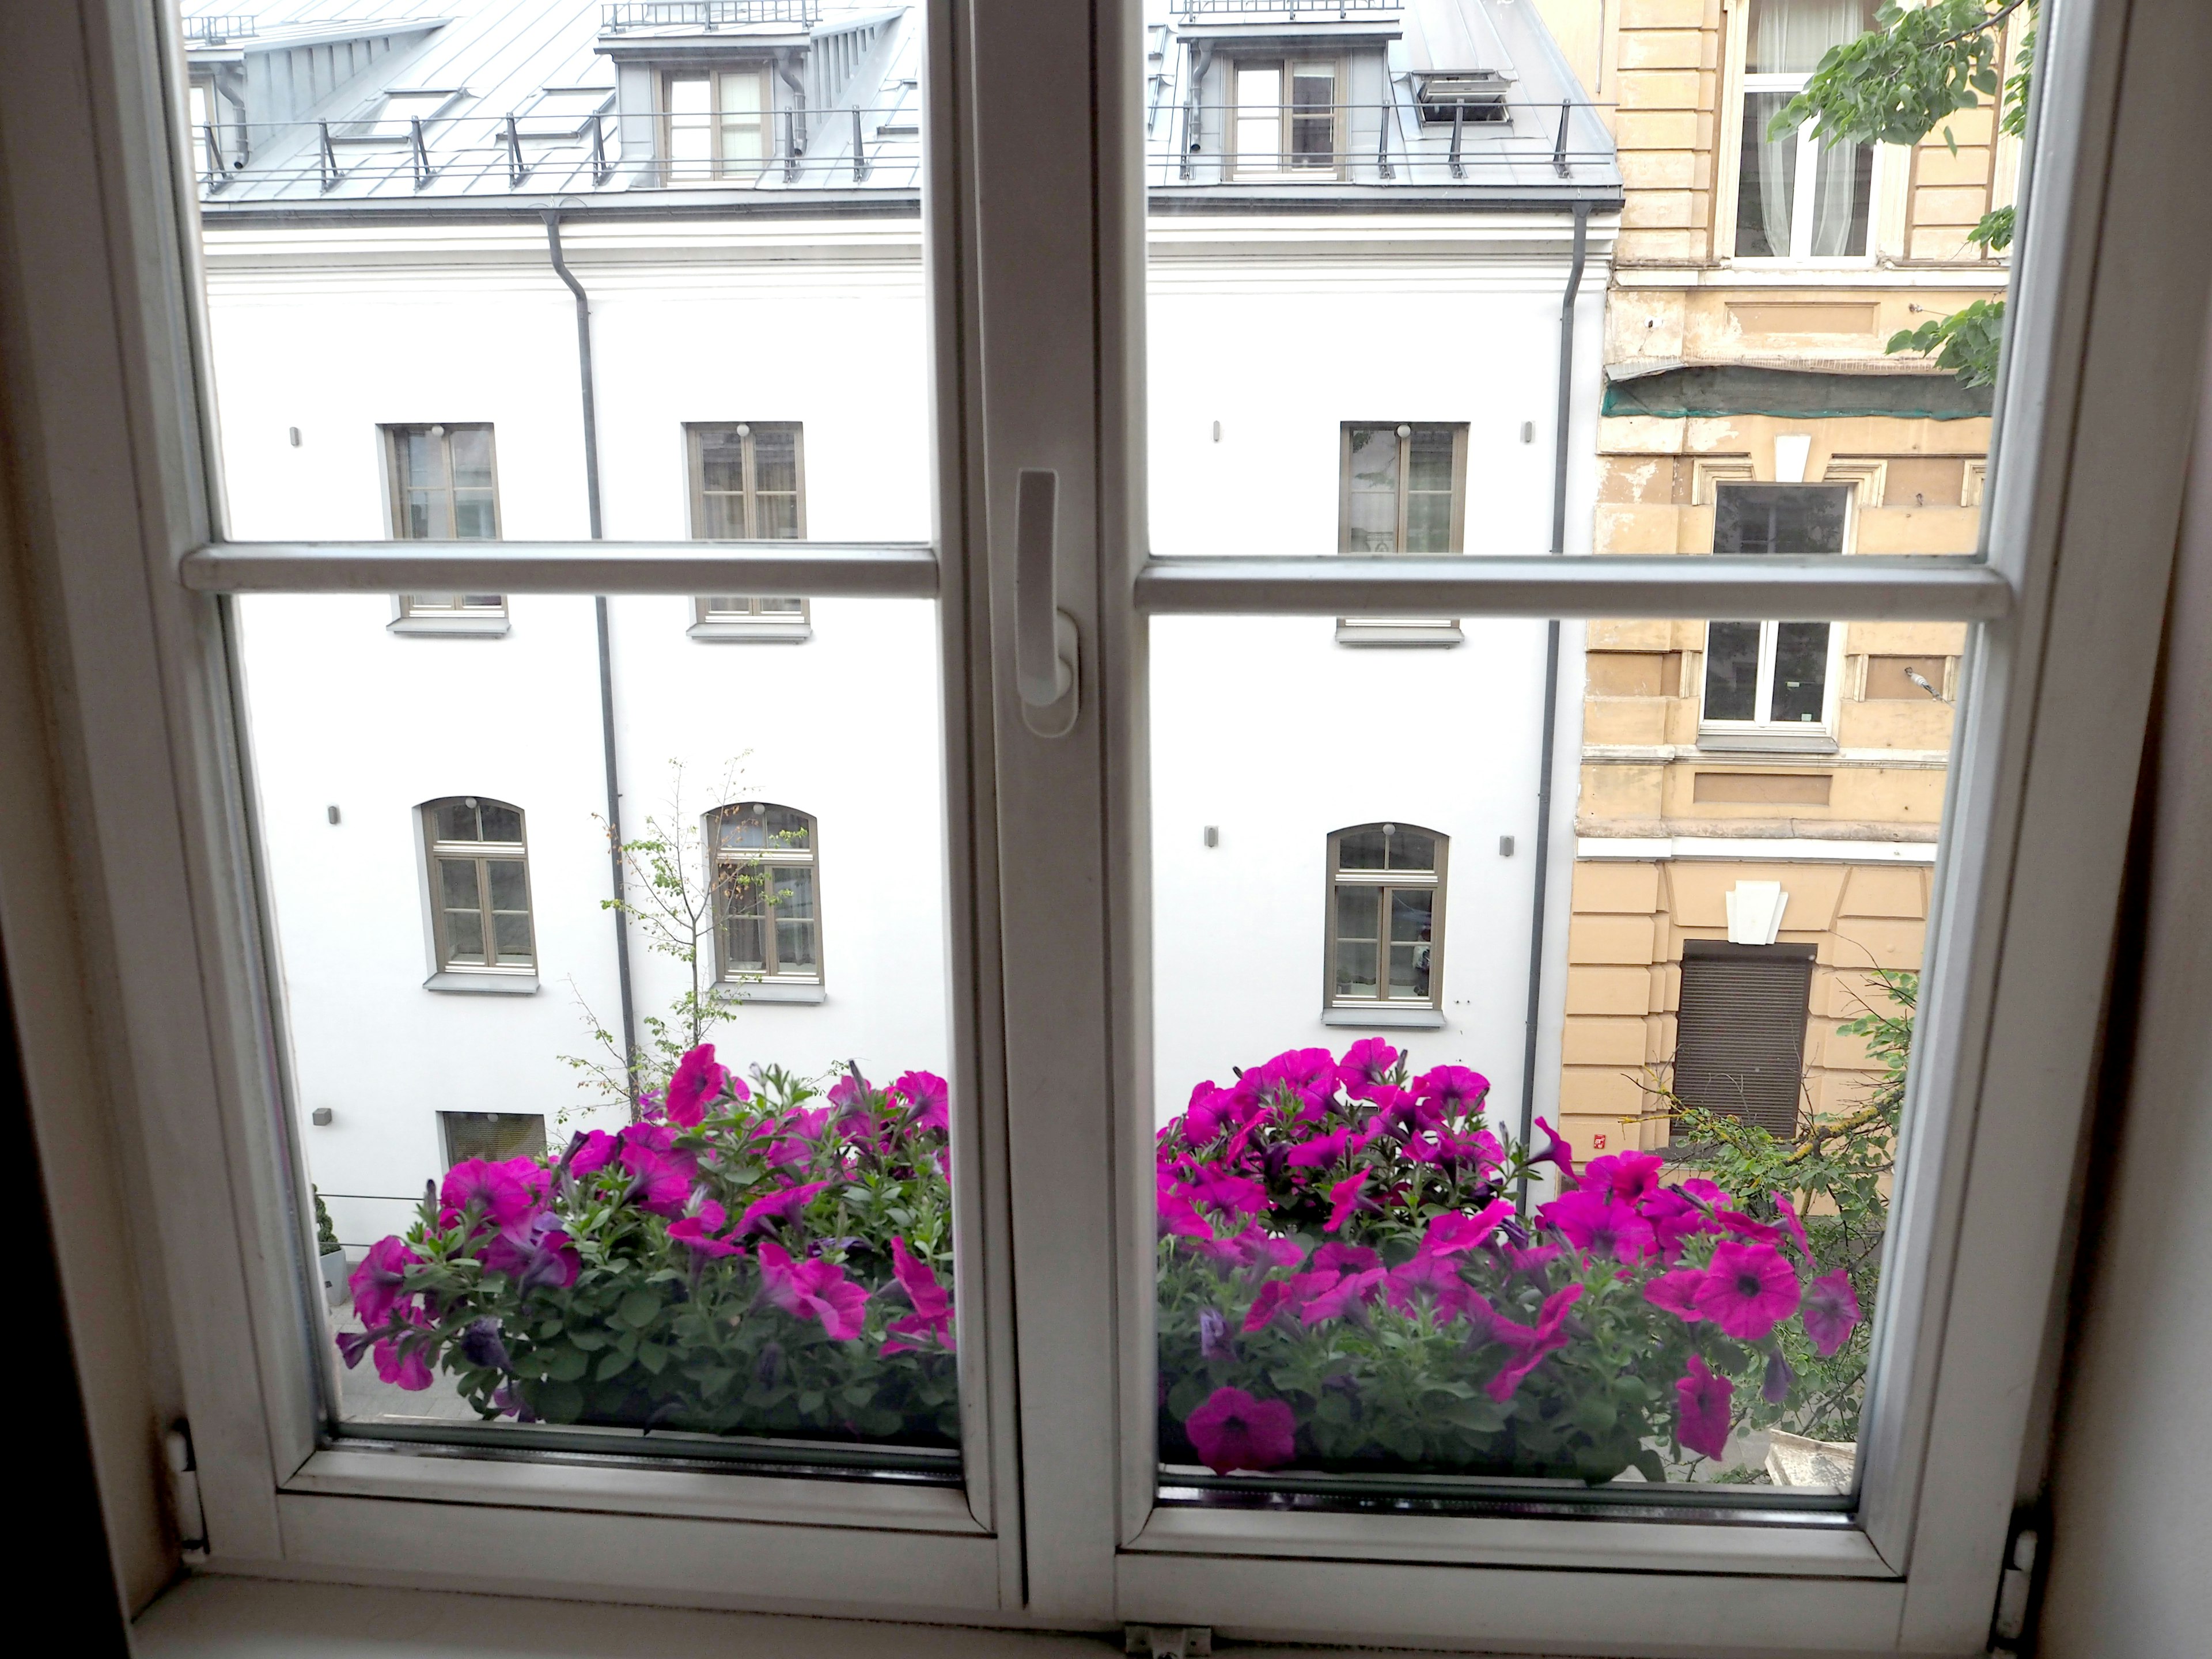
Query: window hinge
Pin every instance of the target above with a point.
(184, 1491)
(2013, 1589)
(1168, 1641)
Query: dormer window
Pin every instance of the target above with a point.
(389, 118)
(1479, 95)
(1284, 123)
(715, 124)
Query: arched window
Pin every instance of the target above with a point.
(768, 903)
(1386, 918)
(479, 886)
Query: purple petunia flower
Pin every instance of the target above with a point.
(1628, 1175)
(1213, 1343)
(593, 1151)
(1702, 1423)
(1674, 1221)
(697, 1081)
(1559, 1151)
(930, 1098)
(760, 1215)
(1347, 1197)
(494, 1194)
(1454, 1230)
(1591, 1220)
(933, 1304)
(1453, 1091)
(1366, 1062)
(813, 1290)
(1530, 1345)
(1345, 1299)
(1775, 1387)
(1345, 1258)
(377, 1282)
(481, 1345)
(402, 1363)
(1749, 1289)
(1232, 1430)
(1434, 1277)
(659, 1180)
(1677, 1292)
(696, 1231)
(1797, 1227)
(1832, 1310)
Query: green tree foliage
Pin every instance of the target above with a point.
(1902, 80)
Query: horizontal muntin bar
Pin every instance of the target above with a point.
(1914, 587)
(807, 569)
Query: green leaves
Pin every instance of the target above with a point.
(1967, 342)
(1898, 82)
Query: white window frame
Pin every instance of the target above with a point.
(1051, 1050)
(1745, 84)
(473, 616)
(745, 617)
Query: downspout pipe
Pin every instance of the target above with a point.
(606, 652)
(1559, 440)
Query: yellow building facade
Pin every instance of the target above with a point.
(1759, 803)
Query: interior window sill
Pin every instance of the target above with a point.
(480, 984)
(777, 991)
(1431, 634)
(459, 627)
(735, 632)
(1383, 1016)
(1783, 741)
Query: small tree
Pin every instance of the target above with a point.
(675, 891)
(1896, 84)
(1835, 1172)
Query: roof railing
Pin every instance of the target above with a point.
(209, 30)
(705, 14)
(1321, 11)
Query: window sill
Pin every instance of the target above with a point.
(1400, 633)
(1720, 740)
(1382, 1017)
(770, 991)
(459, 627)
(493, 985)
(751, 633)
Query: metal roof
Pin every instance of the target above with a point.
(489, 104)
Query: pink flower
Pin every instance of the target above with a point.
(1274, 1296)
(1744, 1227)
(1178, 1217)
(930, 1097)
(377, 1282)
(1832, 1310)
(1591, 1220)
(659, 1180)
(1558, 1150)
(493, 1194)
(698, 1080)
(1456, 1231)
(1749, 1289)
(1232, 1194)
(1797, 1227)
(813, 1290)
(1628, 1175)
(402, 1362)
(1347, 1197)
(1433, 1277)
(1677, 1292)
(696, 1231)
(933, 1305)
(533, 1252)
(1452, 1089)
(1365, 1063)
(1674, 1220)
(1322, 1150)
(781, 1207)
(1702, 1423)
(1343, 1298)
(594, 1151)
(1529, 1260)
(1345, 1258)
(1704, 1191)
(1232, 1430)
(1530, 1345)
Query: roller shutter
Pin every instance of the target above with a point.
(1740, 1036)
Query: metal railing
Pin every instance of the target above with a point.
(213, 31)
(1339, 10)
(1315, 148)
(705, 14)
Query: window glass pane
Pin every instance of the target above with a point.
(1371, 490)
(471, 457)
(1738, 963)
(1843, 189)
(1313, 116)
(1791, 37)
(425, 460)
(1800, 671)
(783, 607)
(1259, 118)
(389, 1038)
(492, 1136)
(1732, 671)
(1766, 184)
(776, 517)
(1780, 518)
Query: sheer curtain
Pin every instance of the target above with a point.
(1791, 37)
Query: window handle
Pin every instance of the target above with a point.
(1045, 651)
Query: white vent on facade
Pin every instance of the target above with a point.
(1754, 912)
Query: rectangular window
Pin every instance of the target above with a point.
(479, 887)
(716, 125)
(1797, 196)
(1286, 120)
(1774, 678)
(767, 907)
(494, 1137)
(444, 488)
(1740, 1031)
(1385, 921)
(1401, 489)
(747, 484)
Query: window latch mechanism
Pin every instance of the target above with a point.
(184, 1491)
(1045, 650)
(2015, 1587)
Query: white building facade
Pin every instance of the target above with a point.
(1359, 271)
